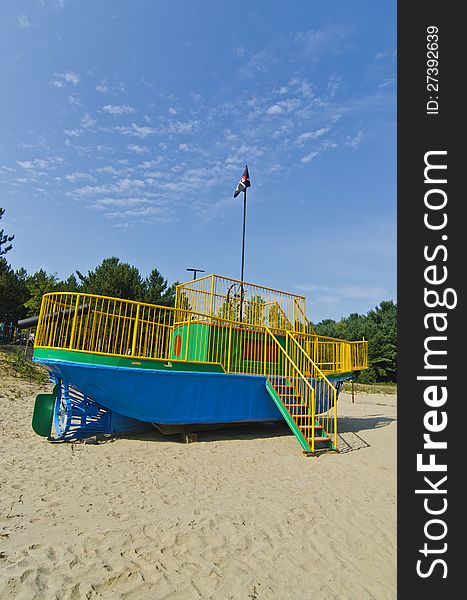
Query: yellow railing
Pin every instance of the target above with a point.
(242, 302)
(359, 355)
(325, 393)
(333, 355)
(90, 323)
(296, 371)
(116, 327)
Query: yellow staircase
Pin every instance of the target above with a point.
(305, 397)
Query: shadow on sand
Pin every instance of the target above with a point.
(349, 436)
(247, 431)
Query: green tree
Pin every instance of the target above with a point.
(328, 328)
(13, 293)
(277, 318)
(70, 284)
(379, 328)
(37, 285)
(230, 309)
(254, 310)
(157, 290)
(113, 278)
(382, 341)
(4, 238)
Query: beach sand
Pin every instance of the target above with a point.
(241, 514)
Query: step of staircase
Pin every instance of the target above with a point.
(324, 438)
(300, 414)
(317, 427)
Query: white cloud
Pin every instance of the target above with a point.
(108, 169)
(386, 83)
(312, 135)
(78, 176)
(183, 147)
(126, 184)
(283, 106)
(150, 164)
(90, 190)
(275, 110)
(87, 121)
(334, 83)
(389, 53)
(258, 61)
(137, 131)
(104, 203)
(74, 100)
(102, 87)
(147, 83)
(328, 145)
(356, 141)
(137, 149)
(182, 127)
(302, 86)
(62, 79)
(59, 4)
(24, 22)
(172, 111)
(73, 132)
(144, 211)
(118, 110)
(33, 164)
(309, 157)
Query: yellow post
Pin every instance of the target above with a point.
(313, 413)
(229, 351)
(335, 419)
(39, 334)
(73, 326)
(187, 345)
(135, 331)
(212, 296)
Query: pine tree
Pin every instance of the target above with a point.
(4, 238)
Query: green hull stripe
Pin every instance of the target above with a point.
(285, 413)
(78, 356)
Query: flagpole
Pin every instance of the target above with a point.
(243, 254)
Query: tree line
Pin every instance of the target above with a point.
(379, 328)
(21, 294)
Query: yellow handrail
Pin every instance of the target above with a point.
(334, 355)
(116, 327)
(288, 370)
(325, 391)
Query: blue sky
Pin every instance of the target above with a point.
(125, 127)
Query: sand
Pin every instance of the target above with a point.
(240, 514)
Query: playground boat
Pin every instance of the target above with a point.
(228, 352)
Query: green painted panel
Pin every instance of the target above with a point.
(130, 362)
(232, 347)
(190, 342)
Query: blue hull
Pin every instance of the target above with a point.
(171, 398)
